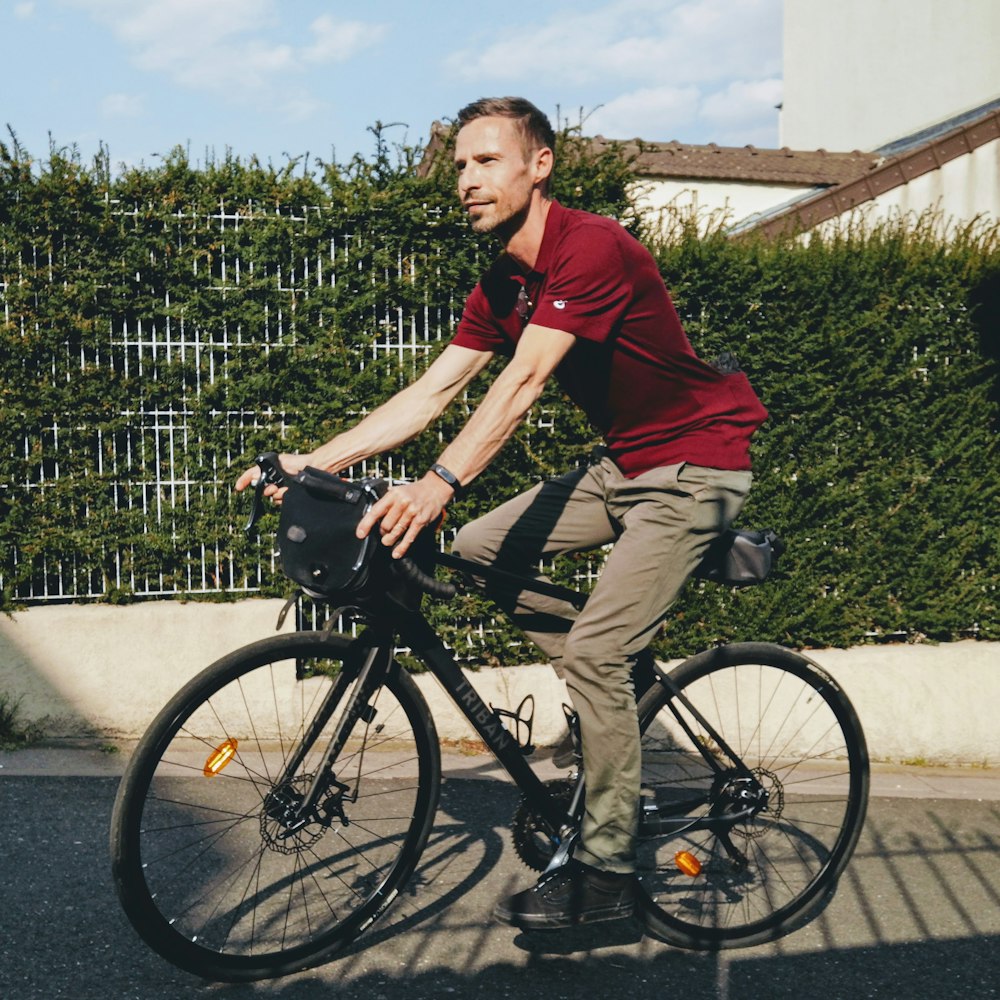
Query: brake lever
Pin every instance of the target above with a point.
(271, 474)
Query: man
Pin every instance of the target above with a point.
(575, 296)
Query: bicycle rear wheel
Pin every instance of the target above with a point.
(767, 735)
(209, 865)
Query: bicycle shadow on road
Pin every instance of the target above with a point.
(916, 917)
(464, 846)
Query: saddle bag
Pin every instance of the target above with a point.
(316, 533)
(741, 558)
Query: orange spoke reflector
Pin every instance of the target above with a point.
(687, 863)
(220, 757)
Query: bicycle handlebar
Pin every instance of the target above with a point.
(412, 573)
(272, 474)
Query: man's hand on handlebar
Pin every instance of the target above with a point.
(405, 511)
(291, 465)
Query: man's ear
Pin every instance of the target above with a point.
(544, 159)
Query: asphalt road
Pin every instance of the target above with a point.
(917, 914)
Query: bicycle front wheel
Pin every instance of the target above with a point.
(761, 746)
(216, 864)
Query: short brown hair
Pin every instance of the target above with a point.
(535, 128)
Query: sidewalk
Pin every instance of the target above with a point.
(888, 780)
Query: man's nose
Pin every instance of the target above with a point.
(468, 180)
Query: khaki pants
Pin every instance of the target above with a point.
(661, 523)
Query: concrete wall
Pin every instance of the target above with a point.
(859, 74)
(99, 671)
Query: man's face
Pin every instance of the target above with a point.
(495, 175)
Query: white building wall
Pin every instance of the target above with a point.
(859, 74)
(963, 190)
(713, 203)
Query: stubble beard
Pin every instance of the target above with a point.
(502, 227)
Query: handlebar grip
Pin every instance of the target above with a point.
(270, 468)
(430, 585)
(271, 473)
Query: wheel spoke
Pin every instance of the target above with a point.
(800, 767)
(221, 873)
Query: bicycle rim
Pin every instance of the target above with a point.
(209, 868)
(778, 741)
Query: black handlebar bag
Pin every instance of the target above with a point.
(316, 533)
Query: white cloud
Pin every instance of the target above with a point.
(122, 106)
(741, 112)
(665, 65)
(741, 101)
(658, 42)
(22, 11)
(339, 41)
(630, 115)
(228, 47)
(299, 104)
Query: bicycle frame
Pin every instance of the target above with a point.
(415, 632)
(376, 645)
(304, 843)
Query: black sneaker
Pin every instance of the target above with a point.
(573, 894)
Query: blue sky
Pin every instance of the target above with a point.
(281, 78)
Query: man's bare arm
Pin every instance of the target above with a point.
(406, 510)
(515, 391)
(407, 414)
(395, 422)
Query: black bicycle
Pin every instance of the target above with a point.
(279, 803)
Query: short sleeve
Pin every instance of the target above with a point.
(588, 287)
(477, 328)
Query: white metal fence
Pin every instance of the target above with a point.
(148, 450)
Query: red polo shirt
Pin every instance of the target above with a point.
(632, 369)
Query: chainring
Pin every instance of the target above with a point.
(532, 842)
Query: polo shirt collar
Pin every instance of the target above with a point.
(554, 222)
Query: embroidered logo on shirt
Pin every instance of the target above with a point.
(560, 303)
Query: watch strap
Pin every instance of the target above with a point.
(449, 477)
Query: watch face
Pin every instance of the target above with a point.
(450, 478)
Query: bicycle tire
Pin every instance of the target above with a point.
(795, 730)
(204, 870)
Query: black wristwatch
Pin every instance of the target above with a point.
(449, 477)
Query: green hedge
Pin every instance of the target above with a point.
(161, 326)
(877, 355)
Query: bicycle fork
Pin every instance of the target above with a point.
(294, 811)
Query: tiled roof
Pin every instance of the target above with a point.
(896, 165)
(816, 168)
